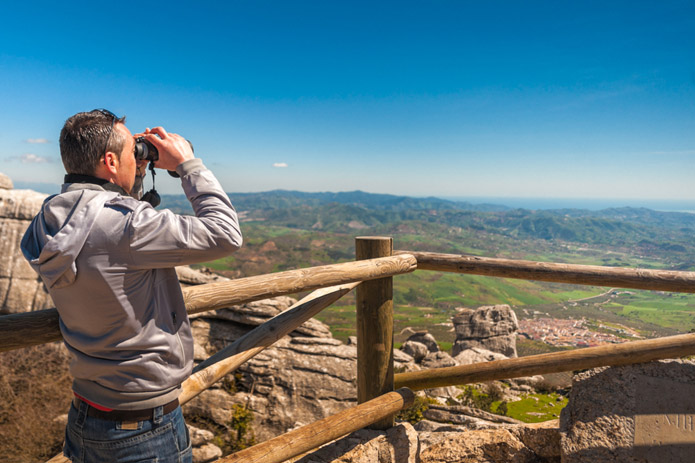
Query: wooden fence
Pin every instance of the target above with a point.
(372, 274)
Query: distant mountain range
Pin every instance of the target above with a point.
(373, 201)
(331, 211)
(641, 231)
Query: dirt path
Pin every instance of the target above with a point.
(592, 297)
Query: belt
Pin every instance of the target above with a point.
(126, 415)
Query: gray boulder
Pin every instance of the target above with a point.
(416, 350)
(477, 355)
(423, 347)
(634, 413)
(424, 337)
(437, 360)
(206, 453)
(489, 327)
(204, 450)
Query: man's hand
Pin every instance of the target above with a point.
(173, 148)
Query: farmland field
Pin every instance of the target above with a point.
(288, 230)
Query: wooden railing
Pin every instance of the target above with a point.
(372, 274)
(39, 327)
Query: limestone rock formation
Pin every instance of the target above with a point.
(520, 444)
(437, 360)
(399, 444)
(21, 290)
(416, 350)
(536, 443)
(420, 345)
(477, 355)
(5, 182)
(425, 338)
(634, 413)
(204, 450)
(490, 327)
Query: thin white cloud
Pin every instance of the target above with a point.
(37, 141)
(280, 164)
(30, 158)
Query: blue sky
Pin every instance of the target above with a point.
(510, 99)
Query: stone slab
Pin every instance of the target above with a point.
(664, 421)
(637, 413)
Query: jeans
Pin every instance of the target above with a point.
(162, 439)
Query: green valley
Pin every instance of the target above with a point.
(285, 230)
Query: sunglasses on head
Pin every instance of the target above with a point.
(114, 118)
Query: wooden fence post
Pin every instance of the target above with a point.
(374, 328)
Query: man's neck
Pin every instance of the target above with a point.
(82, 178)
(105, 184)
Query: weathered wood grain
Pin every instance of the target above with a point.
(595, 275)
(29, 329)
(223, 294)
(374, 307)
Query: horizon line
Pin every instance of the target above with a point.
(22, 185)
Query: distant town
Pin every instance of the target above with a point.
(574, 333)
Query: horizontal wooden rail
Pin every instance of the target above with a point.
(29, 329)
(231, 357)
(32, 328)
(618, 277)
(579, 359)
(223, 294)
(321, 432)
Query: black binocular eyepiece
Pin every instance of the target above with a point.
(146, 151)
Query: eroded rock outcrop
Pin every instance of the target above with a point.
(534, 443)
(510, 444)
(21, 290)
(204, 450)
(489, 327)
(5, 182)
(477, 355)
(399, 444)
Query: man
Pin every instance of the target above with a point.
(108, 261)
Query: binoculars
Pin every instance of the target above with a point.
(146, 151)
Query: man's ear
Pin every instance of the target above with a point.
(111, 162)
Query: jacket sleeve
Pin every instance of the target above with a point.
(163, 239)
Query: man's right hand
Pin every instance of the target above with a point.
(173, 148)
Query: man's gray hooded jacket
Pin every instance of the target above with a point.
(108, 262)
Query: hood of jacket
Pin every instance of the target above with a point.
(57, 234)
